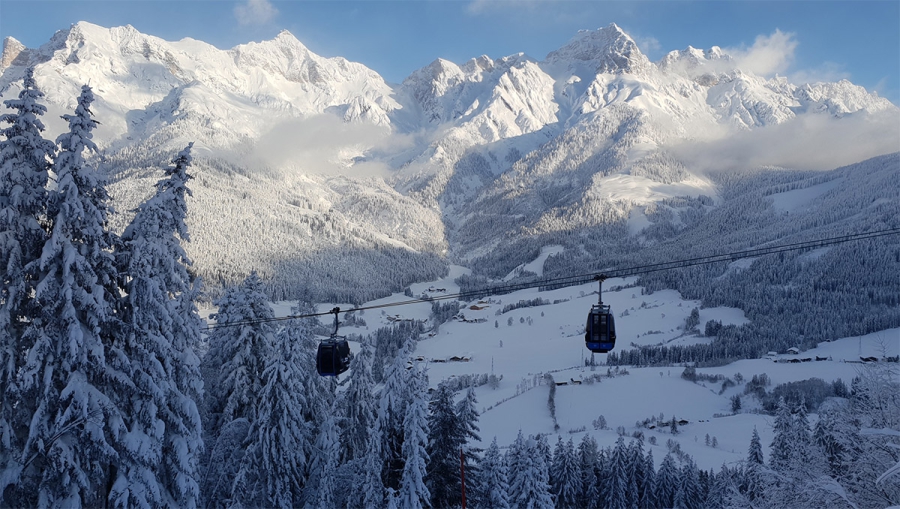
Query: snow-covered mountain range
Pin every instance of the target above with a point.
(309, 165)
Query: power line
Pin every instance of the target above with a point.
(578, 279)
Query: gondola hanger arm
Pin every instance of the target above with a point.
(335, 311)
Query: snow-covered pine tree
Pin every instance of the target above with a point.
(238, 348)
(76, 371)
(555, 467)
(617, 497)
(648, 491)
(493, 482)
(588, 493)
(804, 455)
(543, 447)
(837, 434)
(754, 485)
(278, 444)
(358, 405)
(688, 495)
(162, 328)
(667, 482)
(875, 402)
(373, 490)
(780, 455)
(529, 478)
(224, 462)
(719, 490)
(446, 437)
(24, 168)
(604, 476)
(515, 463)
(564, 478)
(413, 491)
(467, 410)
(324, 466)
(394, 398)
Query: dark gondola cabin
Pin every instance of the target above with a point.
(333, 355)
(600, 330)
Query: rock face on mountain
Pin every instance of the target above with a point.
(459, 160)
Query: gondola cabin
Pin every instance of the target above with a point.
(600, 330)
(333, 357)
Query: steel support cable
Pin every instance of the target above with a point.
(589, 277)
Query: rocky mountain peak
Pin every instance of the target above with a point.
(609, 49)
(12, 53)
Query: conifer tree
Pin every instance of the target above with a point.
(804, 455)
(413, 491)
(358, 405)
(529, 478)
(754, 484)
(394, 398)
(238, 352)
(467, 411)
(493, 483)
(648, 490)
(666, 482)
(76, 372)
(588, 494)
(24, 168)
(162, 328)
(446, 437)
(688, 495)
(755, 454)
(637, 478)
(564, 478)
(373, 492)
(604, 477)
(719, 491)
(837, 434)
(325, 464)
(278, 444)
(780, 456)
(617, 497)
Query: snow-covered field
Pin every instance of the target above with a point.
(523, 344)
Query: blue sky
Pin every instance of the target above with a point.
(804, 40)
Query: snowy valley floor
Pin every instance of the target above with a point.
(523, 344)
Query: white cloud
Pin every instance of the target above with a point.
(255, 12)
(325, 145)
(647, 45)
(769, 55)
(809, 142)
(827, 72)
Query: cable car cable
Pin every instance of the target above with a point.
(589, 277)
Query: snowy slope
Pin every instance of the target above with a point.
(460, 160)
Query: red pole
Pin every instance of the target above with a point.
(462, 473)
